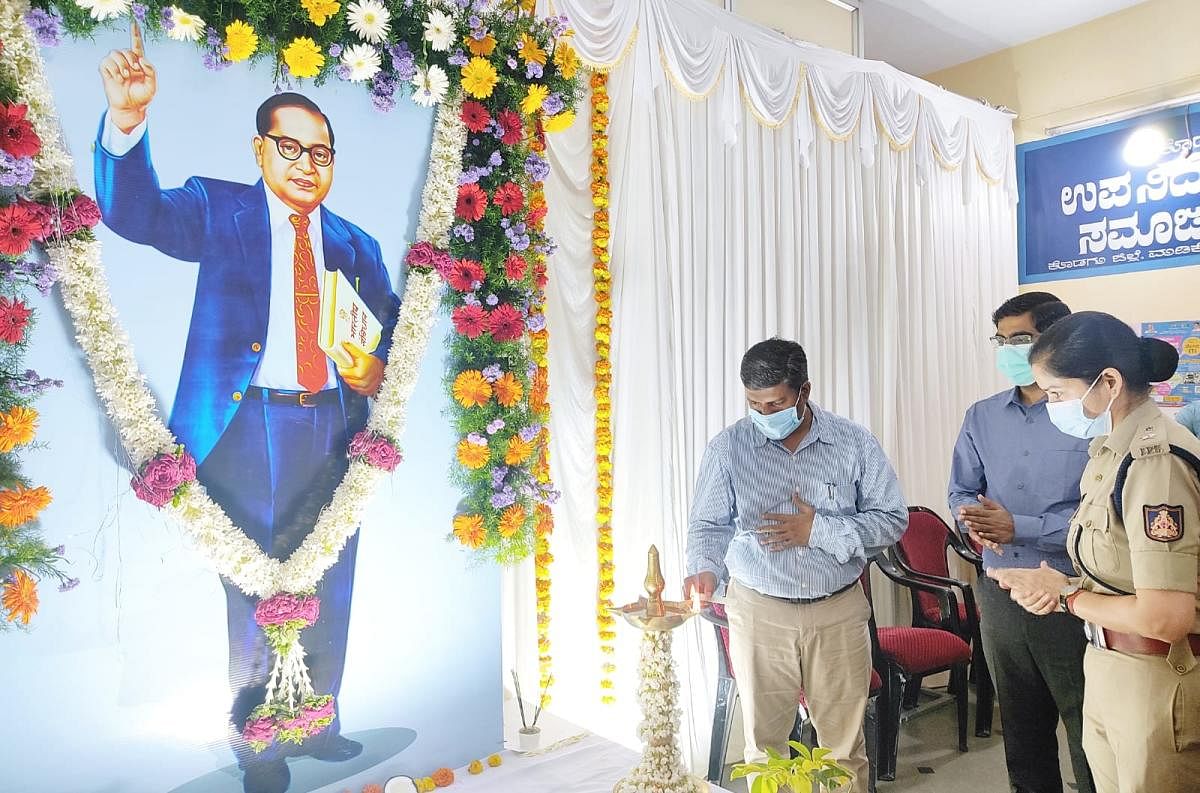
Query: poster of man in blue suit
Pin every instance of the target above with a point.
(265, 413)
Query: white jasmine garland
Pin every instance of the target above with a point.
(661, 766)
(122, 387)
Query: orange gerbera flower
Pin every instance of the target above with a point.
(473, 455)
(518, 451)
(539, 391)
(468, 529)
(511, 520)
(17, 427)
(508, 390)
(443, 777)
(22, 504)
(471, 389)
(20, 597)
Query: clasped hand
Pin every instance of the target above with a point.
(786, 530)
(1035, 589)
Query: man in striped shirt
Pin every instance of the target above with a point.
(790, 503)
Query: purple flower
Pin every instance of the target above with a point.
(474, 22)
(47, 27)
(533, 70)
(517, 238)
(492, 429)
(471, 299)
(139, 11)
(494, 372)
(214, 59)
(512, 62)
(492, 300)
(403, 61)
(537, 168)
(528, 491)
(502, 500)
(384, 103)
(459, 58)
(59, 550)
(343, 72)
(464, 232)
(335, 50)
(15, 171)
(535, 323)
(554, 104)
(383, 84)
(477, 439)
(550, 496)
(213, 36)
(558, 25)
(32, 383)
(498, 475)
(46, 276)
(166, 18)
(495, 160)
(462, 3)
(68, 585)
(529, 433)
(510, 17)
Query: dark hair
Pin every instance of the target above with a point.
(774, 361)
(1023, 304)
(1085, 344)
(1047, 314)
(266, 111)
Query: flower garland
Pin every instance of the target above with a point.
(539, 403)
(32, 210)
(605, 622)
(661, 767)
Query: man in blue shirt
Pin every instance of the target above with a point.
(1014, 484)
(790, 503)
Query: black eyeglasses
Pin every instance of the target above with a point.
(1016, 340)
(290, 149)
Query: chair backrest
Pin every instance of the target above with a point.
(923, 548)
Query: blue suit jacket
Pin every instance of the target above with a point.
(225, 227)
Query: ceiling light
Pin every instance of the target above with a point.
(1144, 147)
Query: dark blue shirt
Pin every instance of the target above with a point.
(1011, 453)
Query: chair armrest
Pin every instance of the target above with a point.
(947, 600)
(963, 548)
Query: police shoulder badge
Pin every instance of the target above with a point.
(1164, 523)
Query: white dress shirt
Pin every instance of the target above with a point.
(277, 367)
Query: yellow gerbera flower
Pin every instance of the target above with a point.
(566, 59)
(303, 57)
(468, 530)
(484, 46)
(319, 11)
(559, 122)
(534, 96)
(531, 51)
(479, 78)
(241, 40)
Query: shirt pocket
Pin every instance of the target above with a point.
(1098, 553)
(840, 498)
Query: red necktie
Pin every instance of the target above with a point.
(311, 371)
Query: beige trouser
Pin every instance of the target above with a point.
(1141, 723)
(778, 648)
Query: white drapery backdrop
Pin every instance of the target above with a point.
(760, 187)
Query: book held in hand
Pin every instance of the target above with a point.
(345, 318)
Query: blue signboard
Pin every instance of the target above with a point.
(1113, 199)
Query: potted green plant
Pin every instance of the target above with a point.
(810, 770)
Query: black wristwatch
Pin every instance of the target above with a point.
(1066, 595)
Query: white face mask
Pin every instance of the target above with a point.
(1070, 419)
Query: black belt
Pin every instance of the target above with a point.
(304, 399)
(805, 601)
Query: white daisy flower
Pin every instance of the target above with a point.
(369, 19)
(104, 9)
(431, 86)
(187, 27)
(362, 60)
(439, 31)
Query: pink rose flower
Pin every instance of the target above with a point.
(423, 254)
(286, 607)
(259, 731)
(443, 264)
(361, 443)
(153, 497)
(384, 455)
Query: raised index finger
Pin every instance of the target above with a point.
(135, 39)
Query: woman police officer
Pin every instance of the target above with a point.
(1134, 542)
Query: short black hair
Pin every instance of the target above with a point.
(1083, 345)
(1023, 304)
(1046, 314)
(266, 111)
(774, 361)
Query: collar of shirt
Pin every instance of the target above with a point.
(813, 436)
(1014, 398)
(1122, 435)
(279, 215)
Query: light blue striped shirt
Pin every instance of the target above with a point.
(839, 469)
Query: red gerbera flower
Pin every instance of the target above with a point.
(475, 116)
(469, 320)
(509, 198)
(14, 316)
(18, 228)
(514, 267)
(472, 201)
(465, 274)
(16, 133)
(510, 123)
(505, 323)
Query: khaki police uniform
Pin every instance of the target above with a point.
(1141, 706)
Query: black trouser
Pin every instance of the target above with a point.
(1037, 666)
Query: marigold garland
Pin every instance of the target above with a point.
(602, 278)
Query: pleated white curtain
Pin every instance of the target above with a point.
(858, 237)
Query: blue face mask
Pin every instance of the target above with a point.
(778, 426)
(1069, 417)
(1013, 362)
